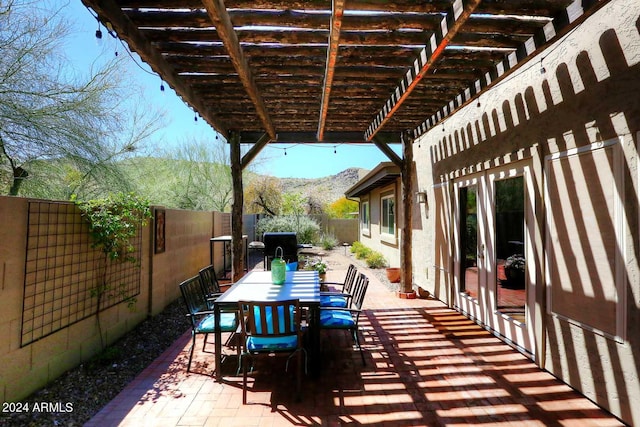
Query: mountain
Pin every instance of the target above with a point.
(327, 189)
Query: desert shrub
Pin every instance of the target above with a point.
(376, 260)
(360, 250)
(356, 246)
(328, 241)
(305, 228)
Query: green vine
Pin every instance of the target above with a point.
(113, 223)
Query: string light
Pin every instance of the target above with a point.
(98, 33)
(161, 86)
(195, 117)
(285, 151)
(334, 150)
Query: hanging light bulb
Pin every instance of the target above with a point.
(195, 117)
(98, 34)
(334, 150)
(161, 86)
(285, 151)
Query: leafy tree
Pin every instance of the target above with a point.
(342, 208)
(294, 204)
(263, 195)
(80, 125)
(202, 176)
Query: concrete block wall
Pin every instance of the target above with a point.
(25, 369)
(187, 235)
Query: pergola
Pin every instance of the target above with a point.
(334, 71)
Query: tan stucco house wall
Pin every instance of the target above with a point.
(568, 122)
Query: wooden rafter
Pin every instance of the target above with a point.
(282, 67)
(337, 12)
(458, 15)
(220, 18)
(573, 13)
(109, 11)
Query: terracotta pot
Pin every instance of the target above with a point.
(393, 274)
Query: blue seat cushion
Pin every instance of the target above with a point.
(228, 323)
(284, 343)
(336, 319)
(292, 266)
(333, 301)
(269, 321)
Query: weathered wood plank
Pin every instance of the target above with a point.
(219, 16)
(453, 22)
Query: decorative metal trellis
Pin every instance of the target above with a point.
(63, 270)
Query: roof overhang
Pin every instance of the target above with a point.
(381, 176)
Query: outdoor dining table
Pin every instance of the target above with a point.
(257, 286)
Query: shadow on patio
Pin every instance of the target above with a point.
(425, 365)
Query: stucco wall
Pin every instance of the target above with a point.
(375, 239)
(582, 91)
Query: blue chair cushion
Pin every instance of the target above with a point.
(292, 266)
(285, 343)
(336, 319)
(228, 323)
(281, 325)
(333, 301)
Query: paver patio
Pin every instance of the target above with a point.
(426, 365)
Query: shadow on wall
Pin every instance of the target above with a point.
(601, 106)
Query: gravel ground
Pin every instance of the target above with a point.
(90, 386)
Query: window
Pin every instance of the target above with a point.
(388, 214)
(365, 217)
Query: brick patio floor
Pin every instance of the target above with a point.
(426, 365)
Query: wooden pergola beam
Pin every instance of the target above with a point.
(109, 10)
(337, 10)
(220, 17)
(254, 150)
(382, 146)
(451, 25)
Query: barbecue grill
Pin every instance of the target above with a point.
(288, 241)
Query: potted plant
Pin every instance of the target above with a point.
(318, 265)
(514, 267)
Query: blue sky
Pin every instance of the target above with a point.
(300, 161)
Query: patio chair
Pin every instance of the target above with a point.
(347, 318)
(268, 328)
(201, 315)
(210, 283)
(342, 297)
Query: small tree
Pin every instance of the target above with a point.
(263, 195)
(342, 208)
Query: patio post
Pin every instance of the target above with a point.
(406, 254)
(237, 254)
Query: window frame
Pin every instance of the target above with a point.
(365, 220)
(384, 229)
